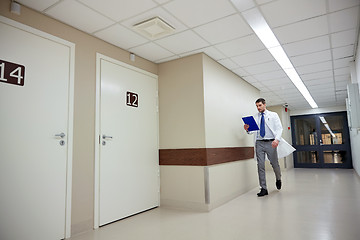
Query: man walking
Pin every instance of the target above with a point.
(267, 139)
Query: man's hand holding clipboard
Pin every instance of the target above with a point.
(250, 124)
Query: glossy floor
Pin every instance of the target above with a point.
(314, 204)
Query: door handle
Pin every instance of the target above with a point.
(106, 137)
(60, 135)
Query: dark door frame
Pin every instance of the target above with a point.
(321, 148)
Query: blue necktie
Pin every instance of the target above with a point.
(262, 126)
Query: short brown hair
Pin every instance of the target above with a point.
(261, 100)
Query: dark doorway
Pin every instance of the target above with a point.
(321, 141)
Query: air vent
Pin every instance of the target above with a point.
(154, 28)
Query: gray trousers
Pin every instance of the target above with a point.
(263, 148)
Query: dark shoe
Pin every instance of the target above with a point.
(262, 192)
(278, 184)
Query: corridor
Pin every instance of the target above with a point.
(314, 204)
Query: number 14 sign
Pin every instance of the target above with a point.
(12, 73)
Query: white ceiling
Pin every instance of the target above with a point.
(319, 36)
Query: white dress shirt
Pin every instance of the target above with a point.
(268, 132)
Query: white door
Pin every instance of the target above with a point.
(129, 163)
(33, 163)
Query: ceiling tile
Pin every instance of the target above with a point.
(283, 12)
(210, 51)
(168, 59)
(319, 81)
(278, 83)
(241, 46)
(325, 100)
(342, 71)
(344, 20)
(307, 46)
(262, 68)
(244, 74)
(270, 75)
(312, 68)
(343, 38)
(317, 75)
(225, 29)
(79, 16)
(340, 92)
(260, 2)
(293, 98)
(266, 93)
(302, 30)
(343, 52)
(120, 10)
(182, 42)
(156, 12)
(342, 95)
(253, 58)
(275, 102)
(121, 36)
(311, 58)
(341, 85)
(258, 85)
(341, 78)
(291, 95)
(292, 92)
(162, 1)
(249, 79)
(151, 51)
(228, 63)
(195, 13)
(213, 53)
(335, 5)
(322, 88)
(39, 5)
(344, 62)
(281, 88)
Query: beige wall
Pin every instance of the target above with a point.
(181, 103)
(182, 187)
(228, 98)
(201, 105)
(84, 104)
(181, 125)
(230, 180)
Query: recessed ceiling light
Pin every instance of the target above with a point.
(154, 28)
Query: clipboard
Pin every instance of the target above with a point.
(251, 122)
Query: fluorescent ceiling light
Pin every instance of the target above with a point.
(257, 22)
(243, 5)
(323, 120)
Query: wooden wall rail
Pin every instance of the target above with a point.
(204, 156)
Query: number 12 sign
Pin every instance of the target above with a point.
(12, 73)
(132, 99)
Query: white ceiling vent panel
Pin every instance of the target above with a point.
(154, 28)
